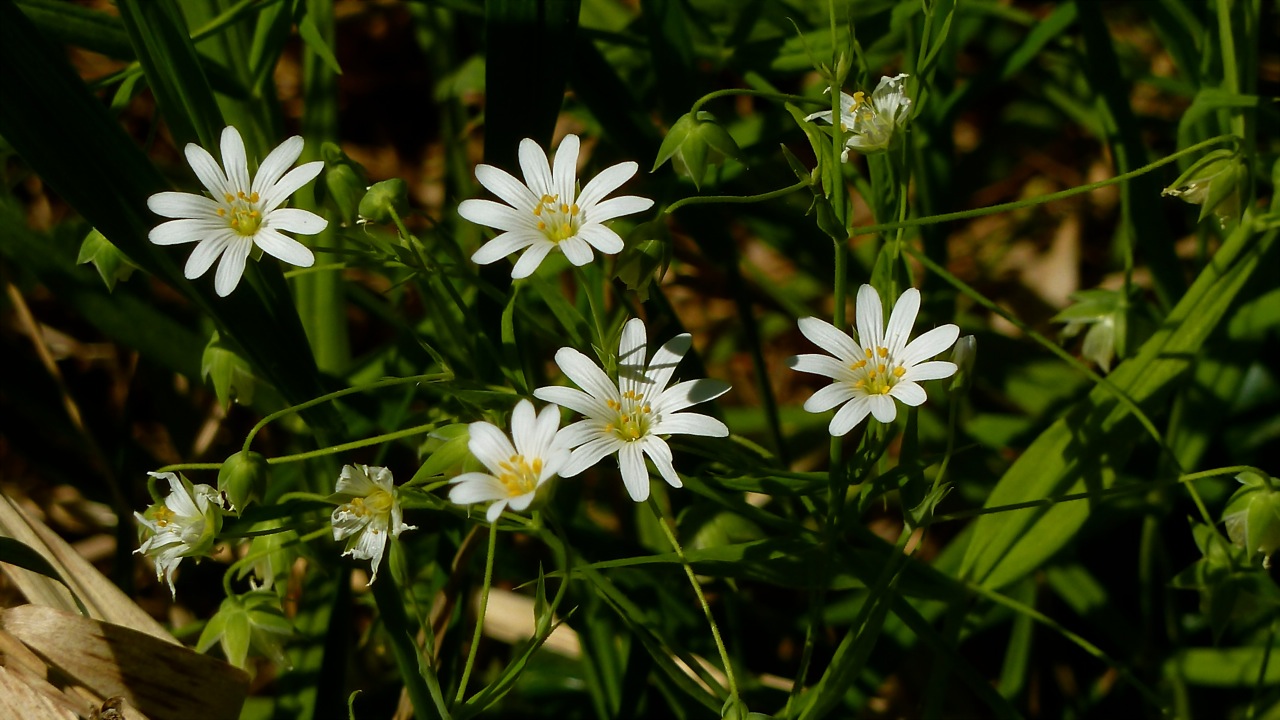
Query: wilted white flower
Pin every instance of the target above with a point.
(879, 366)
(546, 211)
(241, 213)
(871, 124)
(370, 515)
(184, 525)
(631, 417)
(516, 472)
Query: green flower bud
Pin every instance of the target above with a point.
(963, 355)
(1215, 182)
(696, 143)
(243, 479)
(1252, 516)
(646, 257)
(253, 620)
(342, 185)
(384, 198)
(111, 264)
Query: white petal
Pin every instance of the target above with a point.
(870, 318)
(687, 423)
(564, 174)
(496, 215)
(507, 188)
(520, 503)
(206, 169)
(848, 417)
(901, 319)
(591, 453)
(531, 259)
(284, 248)
(303, 222)
(601, 238)
(183, 205)
(687, 393)
(235, 160)
(826, 336)
(664, 362)
(617, 207)
(579, 433)
(909, 393)
(572, 398)
(476, 487)
(824, 365)
(274, 196)
(495, 511)
(935, 370)
(176, 232)
(541, 436)
(929, 344)
(505, 244)
(577, 250)
(821, 115)
(829, 397)
(276, 163)
(660, 453)
(354, 480)
(206, 253)
(489, 445)
(883, 408)
(631, 357)
(231, 267)
(536, 169)
(607, 181)
(634, 474)
(585, 374)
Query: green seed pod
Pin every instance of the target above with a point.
(243, 479)
(1215, 182)
(383, 199)
(1252, 516)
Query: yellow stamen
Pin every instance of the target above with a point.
(899, 371)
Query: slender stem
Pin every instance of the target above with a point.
(480, 613)
(727, 92)
(254, 557)
(420, 680)
(1040, 200)
(293, 409)
(702, 600)
(736, 199)
(597, 314)
(366, 442)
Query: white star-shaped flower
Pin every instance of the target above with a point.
(241, 213)
(184, 525)
(631, 417)
(879, 366)
(871, 124)
(546, 211)
(516, 472)
(370, 515)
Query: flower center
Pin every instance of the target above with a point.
(634, 416)
(242, 212)
(163, 516)
(520, 475)
(877, 373)
(557, 220)
(378, 502)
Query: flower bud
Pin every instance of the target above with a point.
(645, 258)
(963, 355)
(1215, 183)
(243, 479)
(1252, 516)
(383, 199)
(696, 143)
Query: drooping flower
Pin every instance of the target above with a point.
(516, 472)
(241, 213)
(370, 514)
(630, 417)
(871, 124)
(184, 525)
(877, 368)
(547, 212)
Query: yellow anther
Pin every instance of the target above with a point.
(573, 209)
(880, 368)
(859, 365)
(222, 212)
(537, 210)
(646, 409)
(537, 466)
(884, 390)
(240, 194)
(613, 404)
(860, 384)
(882, 352)
(548, 199)
(609, 427)
(542, 225)
(564, 208)
(871, 374)
(859, 98)
(229, 197)
(253, 198)
(869, 354)
(899, 371)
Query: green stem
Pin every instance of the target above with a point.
(1042, 341)
(254, 557)
(702, 600)
(293, 409)
(480, 612)
(597, 314)
(736, 199)
(1040, 200)
(420, 680)
(366, 442)
(727, 92)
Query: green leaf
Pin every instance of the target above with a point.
(316, 43)
(111, 264)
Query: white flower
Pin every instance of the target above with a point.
(546, 211)
(629, 418)
(184, 525)
(241, 213)
(370, 515)
(877, 367)
(515, 472)
(871, 124)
